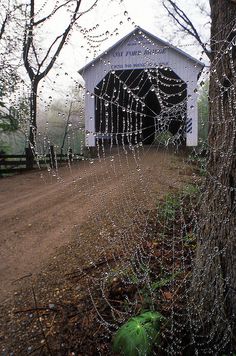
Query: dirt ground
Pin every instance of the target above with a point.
(41, 211)
(44, 214)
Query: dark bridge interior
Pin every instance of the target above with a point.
(133, 105)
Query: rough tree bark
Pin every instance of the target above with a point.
(214, 276)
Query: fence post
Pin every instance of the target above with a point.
(70, 155)
(1, 160)
(29, 158)
(52, 157)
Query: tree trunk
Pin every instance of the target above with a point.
(42, 69)
(33, 112)
(33, 124)
(214, 276)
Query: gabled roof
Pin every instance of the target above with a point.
(164, 43)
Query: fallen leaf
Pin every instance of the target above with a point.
(168, 295)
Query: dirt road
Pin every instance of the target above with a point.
(42, 211)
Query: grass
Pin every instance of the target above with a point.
(200, 162)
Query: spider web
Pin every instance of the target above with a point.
(146, 238)
(150, 250)
(156, 260)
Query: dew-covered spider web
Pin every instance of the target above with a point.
(142, 192)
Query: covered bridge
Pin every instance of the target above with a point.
(141, 86)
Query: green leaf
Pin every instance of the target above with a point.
(137, 336)
(164, 281)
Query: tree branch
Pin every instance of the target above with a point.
(3, 26)
(63, 39)
(89, 9)
(180, 17)
(9, 12)
(28, 40)
(36, 23)
(49, 50)
(35, 54)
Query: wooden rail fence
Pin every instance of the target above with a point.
(18, 163)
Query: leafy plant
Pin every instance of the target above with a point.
(168, 209)
(190, 240)
(163, 138)
(148, 291)
(138, 335)
(196, 159)
(164, 281)
(190, 190)
(4, 148)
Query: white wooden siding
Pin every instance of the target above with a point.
(139, 52)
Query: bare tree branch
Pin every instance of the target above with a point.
(180, 17)
(203, 10)
(61, 44)
(52, 53)
(49, 50)
(28, 40)
(89, 9)
(9, 12)
(36, 23)
(2, 30)
(35, 54)
(28, 43)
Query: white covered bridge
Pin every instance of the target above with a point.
(139, 87)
